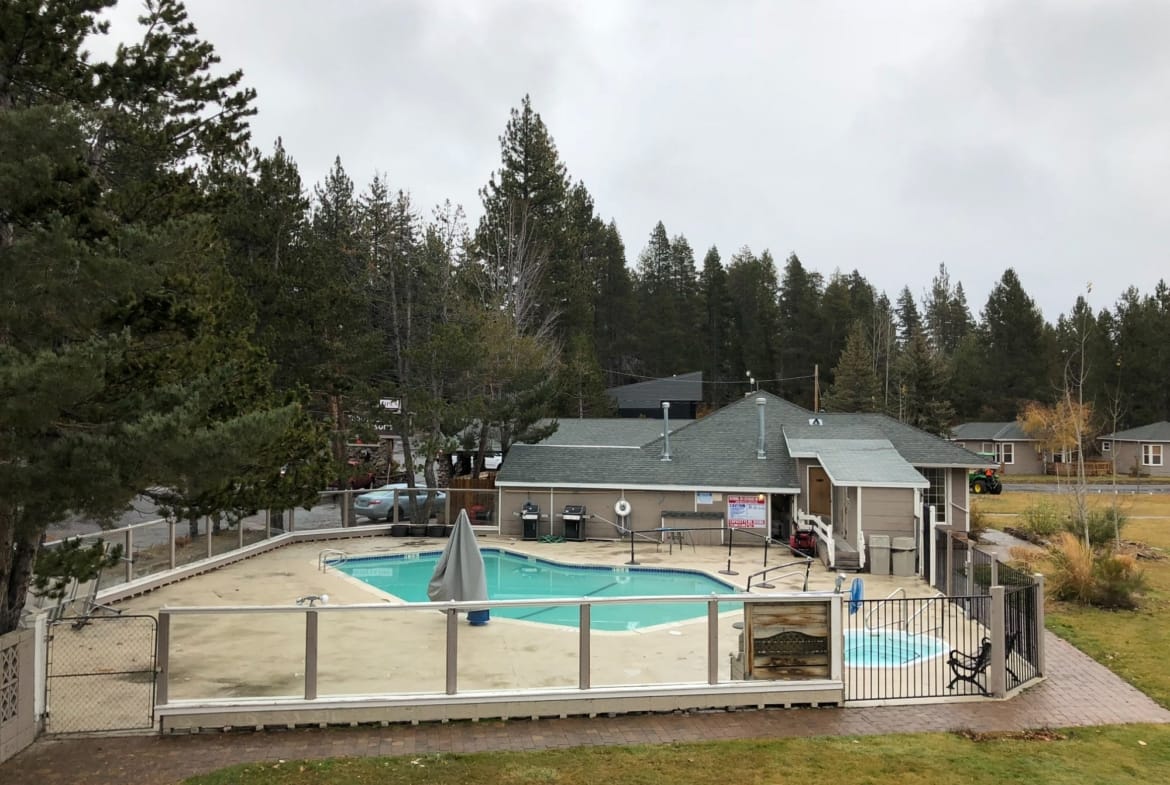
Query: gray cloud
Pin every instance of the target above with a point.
(883, 136)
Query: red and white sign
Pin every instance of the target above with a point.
(747, 512)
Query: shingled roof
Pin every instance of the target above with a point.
(650, 394)
(990, 432)
(719, 452)
(1154, 432)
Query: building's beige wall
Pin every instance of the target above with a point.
(1129, 455)
(888, 511)
(1027, 460)
(646, 513)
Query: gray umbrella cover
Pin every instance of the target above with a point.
(460, 574)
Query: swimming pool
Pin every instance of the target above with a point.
(878, 648)
(512, 576)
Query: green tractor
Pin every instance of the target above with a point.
(983, 481)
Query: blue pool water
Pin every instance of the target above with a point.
(515, 577)
(866, 649)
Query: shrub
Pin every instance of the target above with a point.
(1072, 575)
(1091, 577)
(1042, 519)
(1118, 581)
(976, 523)
(1103, 525)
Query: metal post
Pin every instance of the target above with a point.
(950, 577)
(997, 672)
(452, 650)
(730, 538)
(207, 523)
(1038, 601)
(995, 572)
(583, 653)
(631, 561)
(292, 519)
(712, 642)
(162, 657)
(267, 524)
(171, 531)
(310, 655)
(240, 527)
(129, 554)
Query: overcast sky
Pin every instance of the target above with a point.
(880, 136)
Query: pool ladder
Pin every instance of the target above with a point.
(324, 557)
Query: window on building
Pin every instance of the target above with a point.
(987, 447)
(1005, 453)
(1151, 455)
(1106, 446)
(936, 494)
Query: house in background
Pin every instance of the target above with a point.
(749, 471)
(1005, 442)
(1139, 451)
(683, 392)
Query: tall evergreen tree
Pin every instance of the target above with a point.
(120, 334)
(855, 387)
(753, 289)
(1018, 349)
(947, 318)
(909, 320)
(922, 387)
(716, 329)
(613, 310)
(801, 348)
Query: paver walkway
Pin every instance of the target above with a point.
(1079, 692)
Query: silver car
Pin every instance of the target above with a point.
(379, 504)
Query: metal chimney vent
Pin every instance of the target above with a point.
(666, 430)
(761, 451)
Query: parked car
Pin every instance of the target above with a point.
(379, 504)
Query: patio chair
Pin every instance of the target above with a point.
(969, 667)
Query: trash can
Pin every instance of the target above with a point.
(879, 554)
(902, 557)
(530, 514)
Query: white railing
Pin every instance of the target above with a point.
(306, 648)
(824, 533)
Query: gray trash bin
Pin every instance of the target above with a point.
(902, 557)
(879, 554)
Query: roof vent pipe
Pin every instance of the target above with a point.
(666, 430)
(761, 453)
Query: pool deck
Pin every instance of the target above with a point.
(380, 652)
(1077, 692)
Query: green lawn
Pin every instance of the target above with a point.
(1131, 643)
(1115, 755)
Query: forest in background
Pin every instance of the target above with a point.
(181, 315)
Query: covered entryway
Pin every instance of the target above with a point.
(101, 674)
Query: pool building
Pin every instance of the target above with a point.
(759, 467)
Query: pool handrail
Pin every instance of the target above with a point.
(888, 598)
(323, 558)
(807, 562)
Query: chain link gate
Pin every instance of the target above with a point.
(101, 674)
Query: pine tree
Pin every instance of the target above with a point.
(125, 358)
(855, 387)
(922, 387)
(716, 328)
(947, 318)
(909, 320)
(1018, 351)
(755, 318)
(800, 326)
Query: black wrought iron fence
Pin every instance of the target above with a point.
(1023, 631)
(897, 648)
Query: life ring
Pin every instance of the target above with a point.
(622, 508)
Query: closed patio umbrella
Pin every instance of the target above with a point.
(460, 574)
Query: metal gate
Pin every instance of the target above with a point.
(101, 674)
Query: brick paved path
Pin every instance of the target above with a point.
(1078, 692)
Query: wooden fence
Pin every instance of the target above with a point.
(1092, 469)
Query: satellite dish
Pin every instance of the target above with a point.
(622, 507)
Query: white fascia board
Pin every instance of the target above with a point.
(624, 487)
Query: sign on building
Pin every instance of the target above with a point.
(744, 512)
